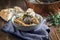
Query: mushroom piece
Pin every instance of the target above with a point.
(30, 12)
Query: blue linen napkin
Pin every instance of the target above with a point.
(41, 33)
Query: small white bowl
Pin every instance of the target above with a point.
(20, 27)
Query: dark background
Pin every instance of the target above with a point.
(12, 3)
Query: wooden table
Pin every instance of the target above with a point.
(55, 33)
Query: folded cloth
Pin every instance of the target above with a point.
(41, 33)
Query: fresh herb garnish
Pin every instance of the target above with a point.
(54, 19)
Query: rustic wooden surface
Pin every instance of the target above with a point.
(55, 33)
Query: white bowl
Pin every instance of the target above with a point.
(27, 28)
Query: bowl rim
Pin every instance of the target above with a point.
(50, 3)
(31, 25)
(43, 2)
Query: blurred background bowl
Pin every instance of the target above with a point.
(43, 7)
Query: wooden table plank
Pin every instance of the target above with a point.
(52, 34)
(58, 33)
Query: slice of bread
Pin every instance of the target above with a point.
(5, 14)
